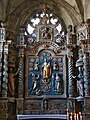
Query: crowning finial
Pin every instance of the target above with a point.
(45, 8)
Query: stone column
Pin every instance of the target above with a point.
(5, 72)
(71, 36)
(85, 46)
(70, 76)
(2, 41)
(1, 55)
(21, 77)
(21, 47)
(4, 62)
(71, 85)
(87, 25)
(86, 65)
(71, 43)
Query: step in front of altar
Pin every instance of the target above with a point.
(42, 117)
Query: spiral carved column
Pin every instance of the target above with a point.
(21, 77)
(71, 86)
(70, 77)
(1, 55)
(2, 41)
(21, 47)
(3, 61)
(5, 73)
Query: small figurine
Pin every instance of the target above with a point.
(53, 84)
(55, 66)
(46, 34)
(36, 86)
(80, 83)
(2, 24)
(81, 36)
(46, 70)
(58, 81)
(36, 66)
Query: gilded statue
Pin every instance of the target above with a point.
(46, 70)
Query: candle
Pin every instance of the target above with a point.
(67, 115)
(75, 117)
(67, 112)
(70, 117)
(80, 115)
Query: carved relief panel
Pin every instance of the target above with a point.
(46, 74)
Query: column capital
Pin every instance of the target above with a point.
(70, 46)
(21, 46)
(85, 45)
(69, 50)
(83, 32)
(79, 62)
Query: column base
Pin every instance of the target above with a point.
(86, 108)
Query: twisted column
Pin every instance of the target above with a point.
(5, 72)
(86, 74)
(21, 47)
(2, 41)
(70, 77)
(21, 77)
(1, 60)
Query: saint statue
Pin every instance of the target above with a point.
(80, 88)
(55, 66)
(35, 86)
(36, 66)
(58, 80)
(46, 34)
(46, 70)
(12, 80)
(80, 82)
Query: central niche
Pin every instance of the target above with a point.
(45, 74)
